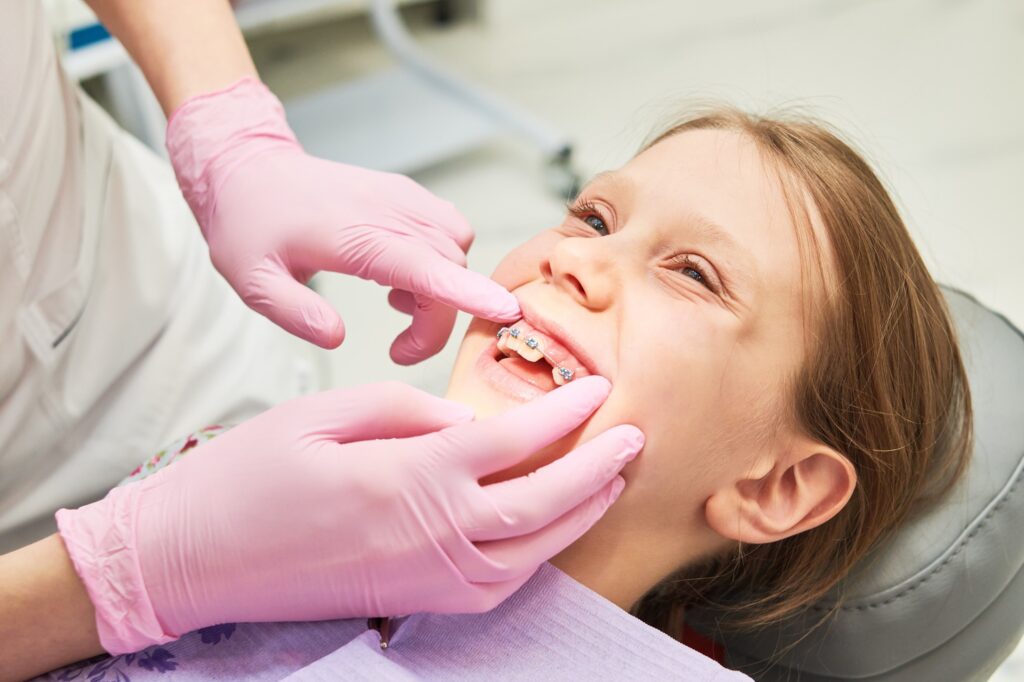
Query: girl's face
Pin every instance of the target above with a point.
(678, 278)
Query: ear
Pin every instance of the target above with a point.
(802, 486)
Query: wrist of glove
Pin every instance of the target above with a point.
(210, 135)
(101, 541)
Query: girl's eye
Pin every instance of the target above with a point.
(687, 266)
(588, 213)
(595, 222)
(694, 274)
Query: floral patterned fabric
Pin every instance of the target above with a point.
(248, 651)
(172, 453)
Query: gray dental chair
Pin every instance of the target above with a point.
(944, 600)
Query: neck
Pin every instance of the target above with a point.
(621, 562)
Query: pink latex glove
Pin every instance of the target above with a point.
(274, 216)
(301, 514)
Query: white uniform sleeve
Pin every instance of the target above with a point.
(116, 333)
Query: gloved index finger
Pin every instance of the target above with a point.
(496, 443)
(422, 270)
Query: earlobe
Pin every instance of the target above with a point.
(804, 487)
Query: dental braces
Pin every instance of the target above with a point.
(532, 343)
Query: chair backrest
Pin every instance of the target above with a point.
(944, 599)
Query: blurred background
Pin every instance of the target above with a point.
(501, 106)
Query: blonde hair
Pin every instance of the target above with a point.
(883, 383)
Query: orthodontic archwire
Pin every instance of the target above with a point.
(532, 343)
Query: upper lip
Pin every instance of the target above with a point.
(556, 331)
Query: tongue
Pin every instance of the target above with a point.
(537, 373)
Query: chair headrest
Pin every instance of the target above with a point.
(944, 598)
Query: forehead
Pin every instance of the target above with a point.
(719, 174)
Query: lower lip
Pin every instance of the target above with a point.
(503, 380)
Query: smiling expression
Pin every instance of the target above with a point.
(678, 278)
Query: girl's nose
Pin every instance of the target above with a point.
(585, 269)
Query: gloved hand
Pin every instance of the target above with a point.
(302, 513)
(274, 216)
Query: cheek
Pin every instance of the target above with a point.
(676, 383)
(464, 386)
(672, 359)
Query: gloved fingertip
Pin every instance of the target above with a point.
(594, 385)
(297, 309)
(631, 437)
(509, 313)
(404, 352)
(425, 337)
(398, 355)
(328, 336)
(504, 307)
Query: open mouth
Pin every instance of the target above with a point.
(536, 356)
(527, 360)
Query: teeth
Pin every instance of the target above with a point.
(561, 375)
(510, 341)
(530, 350)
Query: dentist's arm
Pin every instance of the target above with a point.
(184, 47)
(274, 216)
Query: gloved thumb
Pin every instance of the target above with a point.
(296, 308)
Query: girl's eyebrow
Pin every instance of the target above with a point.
(608, 177)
